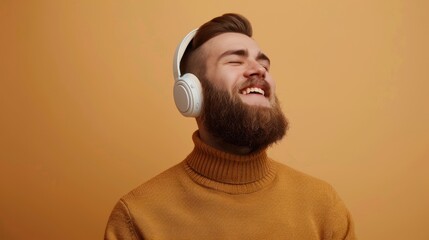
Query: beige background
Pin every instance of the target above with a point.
(86, 110)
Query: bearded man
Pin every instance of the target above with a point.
(227, 187)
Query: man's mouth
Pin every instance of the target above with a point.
(256, 93)
(253, 90)
(256, 87)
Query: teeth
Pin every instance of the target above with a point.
(253, 90)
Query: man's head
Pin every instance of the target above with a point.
(240, 106)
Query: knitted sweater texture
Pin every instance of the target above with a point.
(217, 195)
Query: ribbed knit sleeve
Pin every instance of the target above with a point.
(120, 224)
(339, 225)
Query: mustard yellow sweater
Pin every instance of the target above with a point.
(216, 195)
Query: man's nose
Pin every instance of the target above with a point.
(254, 68)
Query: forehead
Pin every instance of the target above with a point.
(229, 41)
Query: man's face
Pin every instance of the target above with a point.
(240, 106)
(231, 60)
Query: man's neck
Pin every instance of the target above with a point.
(221, 145)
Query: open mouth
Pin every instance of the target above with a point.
(255, 87)
(253, 90)
(256, 94)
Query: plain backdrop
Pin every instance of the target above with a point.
(86, 108)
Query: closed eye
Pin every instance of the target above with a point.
(265, 64)
(266, 67)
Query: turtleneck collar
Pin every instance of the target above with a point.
(230, 173)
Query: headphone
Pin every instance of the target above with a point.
(187, 91)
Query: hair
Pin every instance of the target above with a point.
(229, 22)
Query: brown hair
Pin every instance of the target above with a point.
(229, 22)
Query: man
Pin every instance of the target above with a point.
(227, 188)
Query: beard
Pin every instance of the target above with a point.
(237, 123)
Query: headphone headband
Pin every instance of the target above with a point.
(187, 91)
(180, 51)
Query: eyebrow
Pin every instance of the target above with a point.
(244, 53)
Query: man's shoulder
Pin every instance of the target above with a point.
(304, 183)
(164, 183)
(318, 198)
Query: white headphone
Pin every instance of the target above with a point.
(187, 91)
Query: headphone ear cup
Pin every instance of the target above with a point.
(188, 95)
